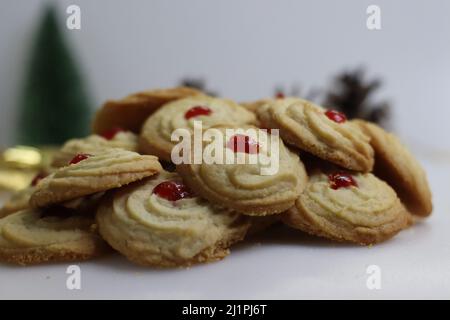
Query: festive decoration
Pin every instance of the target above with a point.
(54, 106)
(351, 94)
(20, 165)
(199, 84)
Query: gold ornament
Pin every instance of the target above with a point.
(20, 164)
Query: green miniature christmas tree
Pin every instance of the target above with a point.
(54, 106)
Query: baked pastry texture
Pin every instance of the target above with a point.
(244, 187)
(35, 236)
(253, 106)
(87, 175)
(115, 138)
(157, 130)
(324, 133)
(18, 201)
(159, 222)
(130, 112)
(231, 177)
(395, 164)
(341, 206)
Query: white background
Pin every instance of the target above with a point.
(244, 48)
(283, 264)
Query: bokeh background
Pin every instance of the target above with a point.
(246, 49)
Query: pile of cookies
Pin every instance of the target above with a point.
(117, 189)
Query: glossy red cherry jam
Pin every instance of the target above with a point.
(79, 157)
(37, 178)
(243, 143)
(172, 190)
(111, 133)
(279, 95)
(197, 111)
(341, 180)
(336, 116)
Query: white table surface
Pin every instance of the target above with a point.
(285, 264)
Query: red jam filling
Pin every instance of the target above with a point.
(111, 133)
(172, 190)
(37, 178)
(243, 143)
(197, 111)
(279, 95)
(341, 180)
(336, 116)
(79, 157)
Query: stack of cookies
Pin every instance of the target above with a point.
(119, 188)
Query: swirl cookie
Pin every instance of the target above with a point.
(159, 222)
(157, 130)
(114, 138)
(340, 206)
(398, 167)
(34, 236)
(20, 199)
(130, 112)
(88, 174)
(324, 133)
(253, 106)
(239, 181)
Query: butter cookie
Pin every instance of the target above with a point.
(156, 132)
(19, 200)
(395, 164)
(325, 133)
(342, 206)
(253, 178)
(160, 222)
(35, 236)
(114, 138)
(130, 112)
(89, 174)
